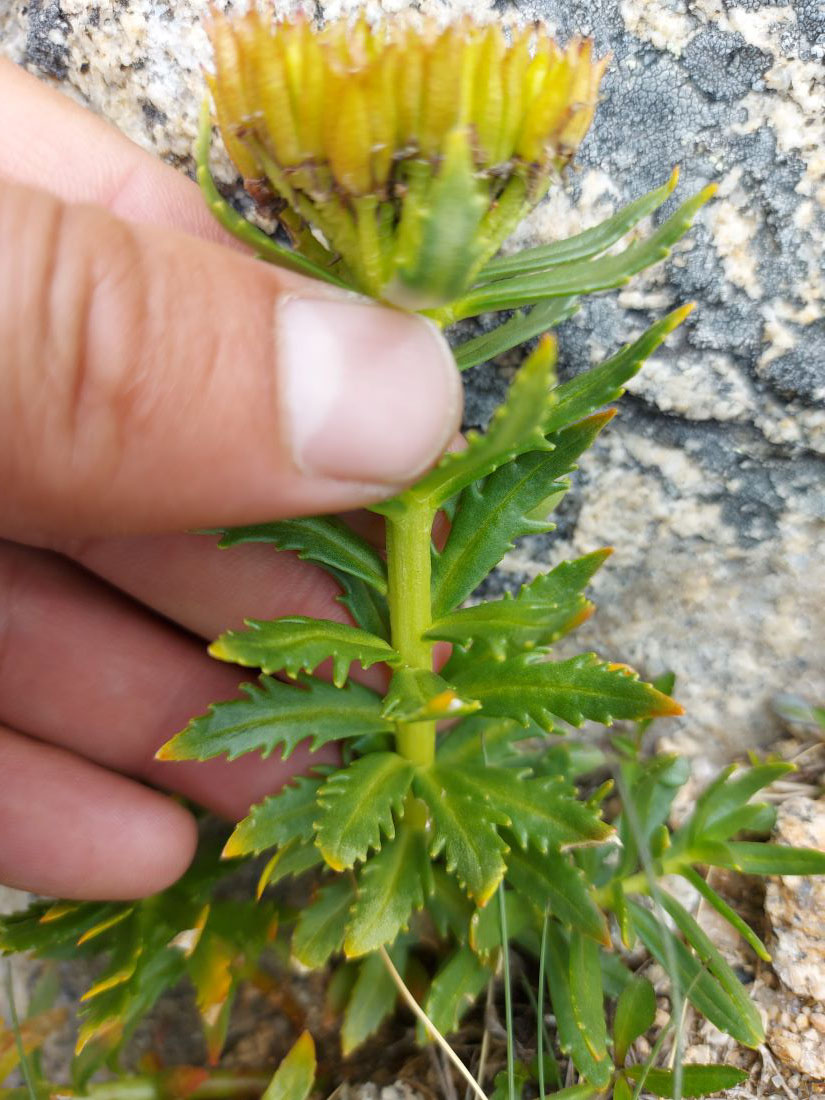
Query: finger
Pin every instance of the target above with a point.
(51, 142)
(153, 381)
(72, 830)
(87, 670)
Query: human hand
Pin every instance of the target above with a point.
(154, 379)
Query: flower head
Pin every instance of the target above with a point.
(414, 150)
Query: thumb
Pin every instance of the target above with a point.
(153, 381)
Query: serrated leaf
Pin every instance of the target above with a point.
(295, 1076)
(590, 242)
(509, 625)
(696, 1080)
(586, 276)
(479, 740)
(755, 858)
(293, 859)
(701, 988)
(325, 540)
(391, 886)
(502, 508)
(724, 910)
(551, 880)
(356, 806)
(367, 606)
(530, 689)
(598, 386)
(281, 818)
(372, 999)
(43, 927)
(124, 958)
(321, 924)
(586, 993)
(416, 693)
(472, 847)
(109, 1019)
(276, 715)
(513, 429)
(295, 644)
(449, 907)
(538, 810)
(454, 990)
(572, 1041)
(518, 330)
(635, 1014)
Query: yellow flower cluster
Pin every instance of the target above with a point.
(414, 149)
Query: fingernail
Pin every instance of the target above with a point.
(368, 393)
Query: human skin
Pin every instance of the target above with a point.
(155, 378)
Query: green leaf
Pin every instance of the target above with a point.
(701, 988)
(696, 1080)
(508, 504)
(485, 925)
(279, 715)
(755, 858)
(795, 709)
(454, 990)
(111, 1017)
(729, 793)
(295, 1076)
(725, 911)
(326, 540)
(594, 388)
(635, 1014)
(46, 926)
(539, 810)
(572, 1041)
(372, 999)
(576, 1092)
(466, 834)
(514, 428)
(295, 644)
(551, 880)
(416, 693)
(586, 993)
(391, 886)
(518, 330)
(583, 245)
(581, 276)
(509, 625)
(357, 805)
(368, 607)
(280, 819)
(529, 688)
(449, 906)
(321, 924)
(479, 739)
(293, 859)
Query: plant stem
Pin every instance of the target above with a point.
(408, 571)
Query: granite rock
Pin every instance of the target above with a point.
(796, 906)
(711, 483)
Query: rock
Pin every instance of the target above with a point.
(710, 482)
(796, 906)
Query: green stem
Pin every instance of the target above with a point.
(409, 533)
